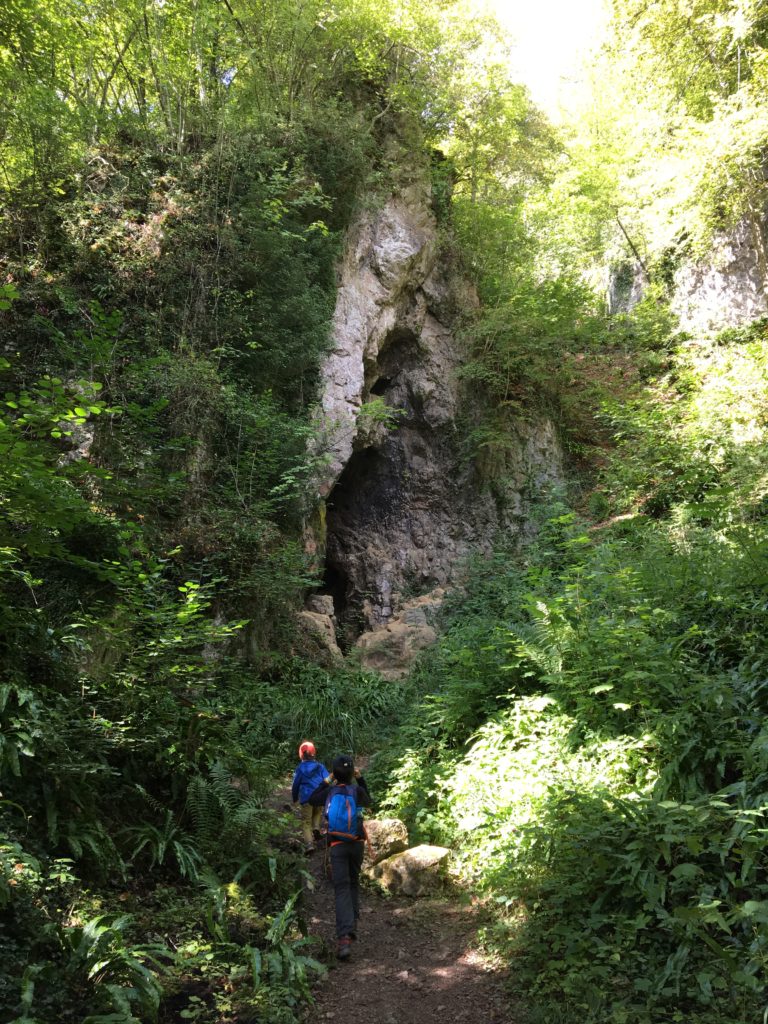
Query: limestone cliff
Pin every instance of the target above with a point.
(727, 289)
(404, 505)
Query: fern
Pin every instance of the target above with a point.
(97, 951)
(224, 817)
(204, 808)
(546, 642)
(166, 842)
(91, 838)
(221, 781)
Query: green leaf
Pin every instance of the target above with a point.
(687, 870)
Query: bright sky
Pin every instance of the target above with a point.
(553, 37)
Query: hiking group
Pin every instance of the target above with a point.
(331, 811)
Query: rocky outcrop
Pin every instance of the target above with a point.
(627, 283)
(405, 505)
(729, 288)
(391, 649)
(416, 872)
(316, 631)
(386, 836)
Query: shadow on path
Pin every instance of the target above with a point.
(415, 961)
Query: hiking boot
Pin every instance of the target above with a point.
(344, 948)
(309, 849)
(318, 835)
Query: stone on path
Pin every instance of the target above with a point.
(415, 872)
(386, 836)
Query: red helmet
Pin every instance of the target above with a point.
(307, 748)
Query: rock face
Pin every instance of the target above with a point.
(404, 503)
(416, 872)
(386, 836)
(627, 283)
(729, 289)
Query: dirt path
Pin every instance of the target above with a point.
(415, 961)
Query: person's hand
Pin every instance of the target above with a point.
(357, 773)
(329, 780)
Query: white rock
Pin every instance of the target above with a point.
(726, 290)
(415, 872)
(386, 836)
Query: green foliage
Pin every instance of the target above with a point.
(97, 950)
(529, 218)
(174, 182)
(268, 981)
(591, 741)
(590, 732)
(348, 709)
(676, 122)
(164, 842)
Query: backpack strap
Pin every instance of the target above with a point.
(337, 787)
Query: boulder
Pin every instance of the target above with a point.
(416, 872)
(317, 638)
(386, 836)
(320, 604)
(392, 649)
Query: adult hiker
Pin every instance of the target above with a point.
(309, 774)
(343, 798)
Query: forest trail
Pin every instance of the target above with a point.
(415, 960)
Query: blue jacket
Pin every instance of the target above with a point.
(307, 777)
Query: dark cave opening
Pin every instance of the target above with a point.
(366, 494)
(368, 488)
(369, 493)
(336, 583)
(399, 350)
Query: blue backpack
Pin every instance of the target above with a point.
(344, 819)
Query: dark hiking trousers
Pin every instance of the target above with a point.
(346, 861)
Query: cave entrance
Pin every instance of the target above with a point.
(366, 494)
(381, 386)
(336, 584)
(368, 498)
(398, 352)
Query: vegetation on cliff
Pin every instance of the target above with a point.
(175, 182)
(592, 737)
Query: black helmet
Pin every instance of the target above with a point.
(343, 768)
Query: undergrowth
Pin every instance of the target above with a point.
(592, 742)
(166, 289)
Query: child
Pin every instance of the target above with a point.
(342, 796)
(308, 776)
